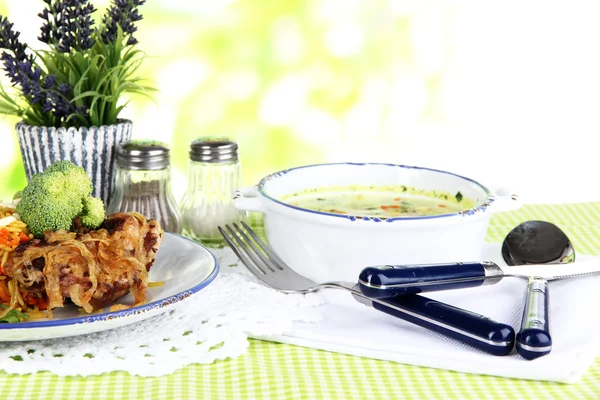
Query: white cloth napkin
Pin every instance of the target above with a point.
(351, 328)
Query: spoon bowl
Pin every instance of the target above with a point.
(537, 242)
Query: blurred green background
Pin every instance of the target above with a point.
(286, 79)
(461, 86)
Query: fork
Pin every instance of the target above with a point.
(473, 329)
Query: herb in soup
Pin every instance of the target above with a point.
(382, 202)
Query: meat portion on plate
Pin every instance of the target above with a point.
(93, 268)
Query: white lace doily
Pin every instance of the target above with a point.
(213, 324)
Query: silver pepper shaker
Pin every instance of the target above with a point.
(213, 175)
(143, 183)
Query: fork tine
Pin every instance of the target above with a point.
(241, 239)
(263, 256)
(278, 262)
(239, 250)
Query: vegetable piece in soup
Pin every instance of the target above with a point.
(374, 202)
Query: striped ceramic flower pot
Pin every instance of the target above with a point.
(91, 148)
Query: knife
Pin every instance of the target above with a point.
(392, 280)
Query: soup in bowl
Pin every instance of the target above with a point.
(329, 221)
(381, 202)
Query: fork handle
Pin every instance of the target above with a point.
(468, 327)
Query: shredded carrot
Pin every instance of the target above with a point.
(2, 271)
(34, 300)
(7, 239)
(397, 199)
(4, 236)
(4, 295)
(441, 205)
(385, 207)
(23, 238)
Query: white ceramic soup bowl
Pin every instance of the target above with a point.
(328, 247)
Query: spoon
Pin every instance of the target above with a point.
(536, 242)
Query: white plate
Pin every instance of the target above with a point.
(184, 266)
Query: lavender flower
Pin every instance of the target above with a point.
(68, 25)
(57, 100)
(19, 66)
(49, 82)
(21, 70)
(9, 39)
(122, 13)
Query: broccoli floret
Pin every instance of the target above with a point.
(43, 207)
(93, 212)
(53, 198)
(78, 179)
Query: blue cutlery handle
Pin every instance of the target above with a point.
(534, 338)
(473, 329)
(378, 282)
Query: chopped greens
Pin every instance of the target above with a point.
(13, 315)
(459, 196)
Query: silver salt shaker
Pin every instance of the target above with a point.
(143, 183)
(213, 175)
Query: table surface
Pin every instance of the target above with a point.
(278, 371)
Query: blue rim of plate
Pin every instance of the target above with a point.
(111, 315)
(472, 211)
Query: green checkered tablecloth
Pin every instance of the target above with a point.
(279, 371)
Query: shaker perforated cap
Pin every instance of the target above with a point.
(143, 154)
(214, 150)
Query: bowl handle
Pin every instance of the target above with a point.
(504, 200)
(246, 199)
